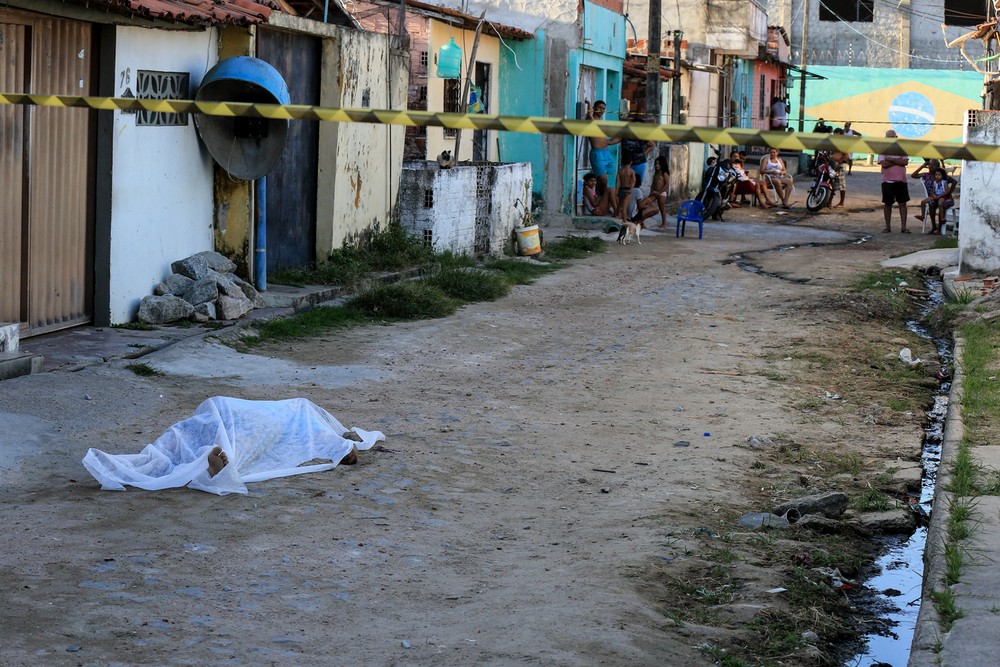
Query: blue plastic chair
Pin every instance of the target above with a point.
(690, 211)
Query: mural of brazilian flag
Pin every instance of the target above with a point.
(917, 104)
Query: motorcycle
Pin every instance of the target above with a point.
(821, 192)
(718, 181)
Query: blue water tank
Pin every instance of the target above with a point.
(450, 61)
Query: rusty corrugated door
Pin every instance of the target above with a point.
(50, 228)
(13, 76)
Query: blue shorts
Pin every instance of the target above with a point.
(600, 161)
(640, 172)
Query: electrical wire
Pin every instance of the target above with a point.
(513, 53)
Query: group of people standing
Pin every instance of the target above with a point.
(625, 200)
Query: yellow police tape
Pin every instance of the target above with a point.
(793, 141)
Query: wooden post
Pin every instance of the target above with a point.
(465, 89)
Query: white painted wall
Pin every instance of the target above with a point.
(161, 202)
(557, 17)
(435, 204)
(979, 208)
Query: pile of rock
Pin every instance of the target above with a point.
(202, 287)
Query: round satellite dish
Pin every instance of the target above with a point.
(246, 147)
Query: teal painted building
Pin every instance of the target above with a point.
(551, 77)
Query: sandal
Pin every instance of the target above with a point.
(886, 230)
(904, 231)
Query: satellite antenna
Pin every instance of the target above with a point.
(246, 147)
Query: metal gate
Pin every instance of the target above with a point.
(46, 216)
(292, 184)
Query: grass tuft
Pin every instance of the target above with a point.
(411, 300)
(143, 370)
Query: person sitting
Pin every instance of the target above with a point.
(822, 127)
(925, 174)
(747, 186)
(594, 204)
(774, 172)
(939, 199)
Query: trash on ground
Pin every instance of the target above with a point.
(259, 440)
(763, 520)
(906, 356)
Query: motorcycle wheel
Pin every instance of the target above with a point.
(818, 197)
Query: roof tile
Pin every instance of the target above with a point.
(205, 12)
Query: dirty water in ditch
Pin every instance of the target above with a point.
(898, 574)
(891, 589)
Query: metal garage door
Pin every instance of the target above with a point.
(46, 230)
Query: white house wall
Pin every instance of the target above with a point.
(359, 163)
(161, 202)
(979, 208)
(557, 17)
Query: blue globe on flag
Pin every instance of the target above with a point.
(912, 115)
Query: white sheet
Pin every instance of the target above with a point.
(262, 439)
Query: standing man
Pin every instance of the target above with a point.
(636, 152)
(779, 115)
(850, 132)
(894, 187)
(600, 157)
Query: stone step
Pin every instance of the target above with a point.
(299, 298)
(16, 364)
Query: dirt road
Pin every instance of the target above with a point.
(551, 461)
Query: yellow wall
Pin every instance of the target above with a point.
(488, 52)
(359, 163)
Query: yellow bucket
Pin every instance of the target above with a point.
(528, 242)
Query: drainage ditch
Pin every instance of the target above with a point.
(896, 577)
(889, 596)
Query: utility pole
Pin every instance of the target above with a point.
(802, 65)
(653, 61)
(464, 101)
(675, 85)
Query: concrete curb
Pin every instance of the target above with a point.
(925, 651)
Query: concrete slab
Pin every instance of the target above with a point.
(925, 259)
(297, 298)
(987, 455)
(969, 642)
(16, 364)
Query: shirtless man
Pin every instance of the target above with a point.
(600, 157)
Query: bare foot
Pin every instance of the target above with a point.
(351, 458)
(217, 460)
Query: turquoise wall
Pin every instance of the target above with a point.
(603, 50)
(917, 104)
(522, 93)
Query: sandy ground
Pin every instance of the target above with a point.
(534, 468)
